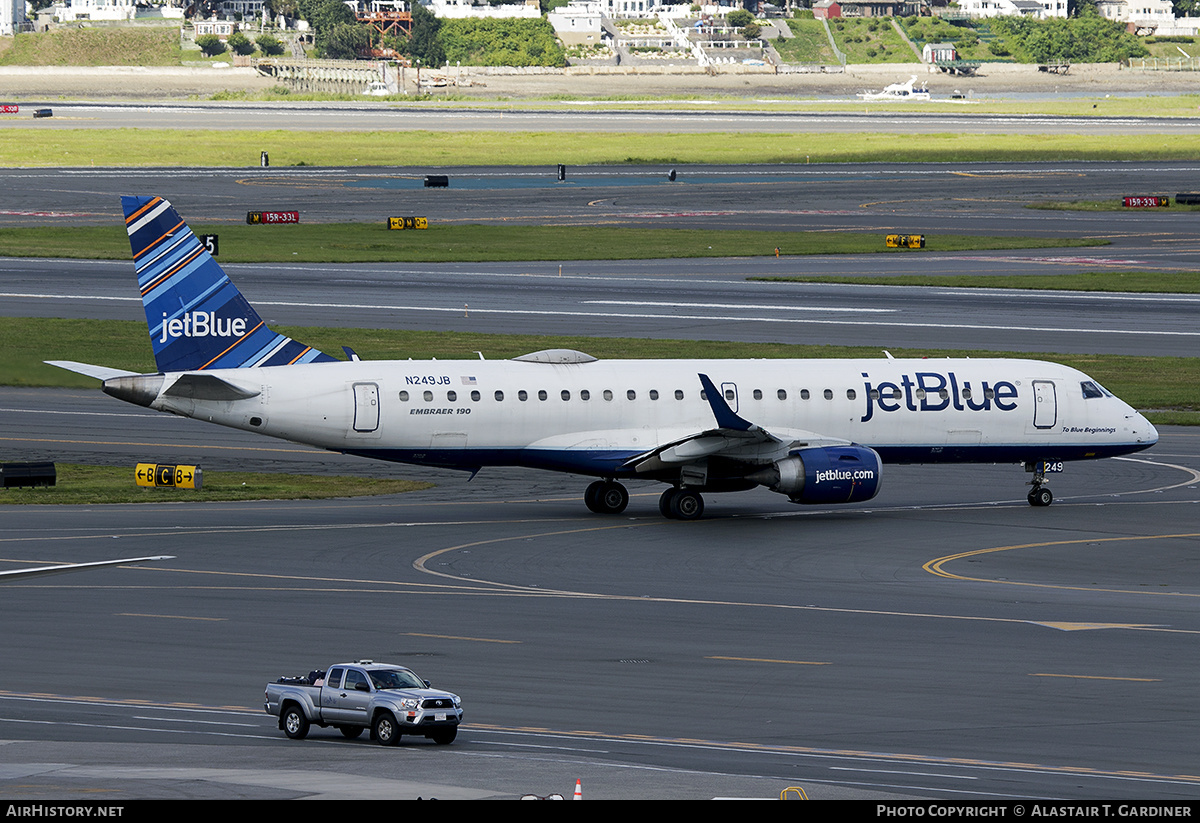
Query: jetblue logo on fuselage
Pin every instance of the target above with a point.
(201, 324)
(932, 391)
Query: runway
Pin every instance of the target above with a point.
(945, 640)
(698, 117)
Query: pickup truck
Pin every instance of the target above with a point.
(389, 700)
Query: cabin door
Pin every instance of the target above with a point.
(1045, 404)
(366, 407)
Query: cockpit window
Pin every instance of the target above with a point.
(1090, 389)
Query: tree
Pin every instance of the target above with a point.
(739, 18)
(343, 41)
(269, 45)
(240, 43)
(423, 42)
(210, 44)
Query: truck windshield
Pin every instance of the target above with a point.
(395, 679)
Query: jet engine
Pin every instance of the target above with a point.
(830, 474)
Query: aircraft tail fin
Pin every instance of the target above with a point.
(197, 318)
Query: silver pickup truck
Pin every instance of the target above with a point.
(389, 700)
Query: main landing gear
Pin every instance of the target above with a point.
(1039, 495)
(610, 497)
(606, 497)
(681, 504)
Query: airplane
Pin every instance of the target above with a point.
(816, 431)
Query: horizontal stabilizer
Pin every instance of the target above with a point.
(87, 369)
(207, 387)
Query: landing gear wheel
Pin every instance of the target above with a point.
(295, 724)
(664, 502)
(606, 497)
(385, 731)
(687, 505)
(1041, 496)
(350, 732)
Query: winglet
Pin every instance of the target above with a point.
(726, 418)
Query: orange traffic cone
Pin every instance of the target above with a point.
(578, 789)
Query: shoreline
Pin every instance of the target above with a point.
(178, 83)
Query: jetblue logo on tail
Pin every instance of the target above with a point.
(201, 324)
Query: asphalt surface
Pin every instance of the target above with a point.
(945, 640)
(699, 117)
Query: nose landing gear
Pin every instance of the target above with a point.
(1039, 495)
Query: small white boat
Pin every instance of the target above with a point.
(898, 91)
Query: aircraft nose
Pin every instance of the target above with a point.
(1143, 429)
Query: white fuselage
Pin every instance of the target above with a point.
(593, 417)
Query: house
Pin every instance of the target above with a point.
(1039, 9)
(221, 28)
(578, 22)
(827, 9)
(934, 52)
(12, 14)
(1141, 16)
(458, 9)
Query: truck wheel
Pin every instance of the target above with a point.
(295, 724)
(350, 732)
(385, 730)
(444, 737)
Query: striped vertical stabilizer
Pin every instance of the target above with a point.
(197, 317)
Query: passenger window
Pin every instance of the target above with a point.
(828, 394)
(782, 394)
(542, 394)
(522, 395)
(499, 395)
(631, 394)
(566, 395)
(584, 394)
(451, 396)
(654, 394)
(758, 394)
(804, 395)
(608, 394)
(404, 396)
(475, 395)
(428, 396)
(679, 394)
(729, 394)
(851, 394)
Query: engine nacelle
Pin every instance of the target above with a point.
(832, 474)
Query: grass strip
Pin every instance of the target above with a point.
(81, 484)
(1167, 385)
(229, 148)
(1155, 282)
(375, 243)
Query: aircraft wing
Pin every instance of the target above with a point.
(88, 370)
(39, 571)
(733, 437)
